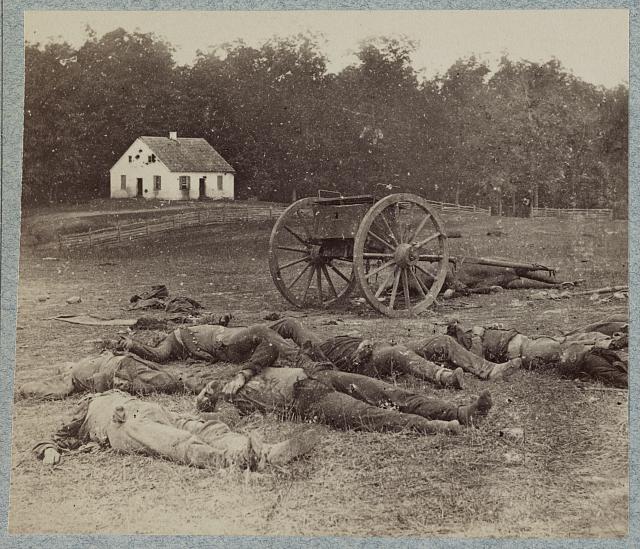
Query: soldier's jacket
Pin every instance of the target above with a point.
(576, 355)
(107, 371)
(88, 423)
(494, 343)
(609, 367)
(340, 350)
(130, 425)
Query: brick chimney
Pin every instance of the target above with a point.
(173, 135)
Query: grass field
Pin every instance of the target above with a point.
(568, 477)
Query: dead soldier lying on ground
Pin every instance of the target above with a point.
(468, 277)
(287, 340)
(259, 346)
(120, 371)
(360, 405)
(472, 278)
(118, 420)
(375, 359)
(345, 401)
(597, 351)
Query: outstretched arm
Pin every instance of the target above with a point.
(65, 438)
(262, 353)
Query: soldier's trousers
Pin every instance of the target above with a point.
(351, 401)
(385, 359)
(445, 349)
(148, 428)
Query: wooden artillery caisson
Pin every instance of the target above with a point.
(322, 248)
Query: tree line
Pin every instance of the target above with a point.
(523, 133)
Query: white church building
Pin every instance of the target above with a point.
(172, 168)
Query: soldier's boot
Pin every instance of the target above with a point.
(504, 370)
(283, 452)
(471, 414)
(452, 427)
(451, 378)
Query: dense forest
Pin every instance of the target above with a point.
(290, 127)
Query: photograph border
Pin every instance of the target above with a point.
(10, 190)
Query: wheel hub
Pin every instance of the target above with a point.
(315, 255)
(405, 255)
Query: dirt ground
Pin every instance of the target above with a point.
(568, 477)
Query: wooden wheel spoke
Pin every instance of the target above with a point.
(397, 214)
(381, 240)
(418, 284)
(420, 227)
(428, 239)
(300, 274)
(319, 283)
(294, 262)
(297, 250)
(384, 283)
(429, 276)
(295, 235)
(394, 290)
(378, 269)
(338, 272)
(377, 255)
(405, 288)
(329, 281)
(309, 279)
(389, 229)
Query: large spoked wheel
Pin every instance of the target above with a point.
(307, 272)
(401, 255)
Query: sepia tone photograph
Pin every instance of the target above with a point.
(323, 273)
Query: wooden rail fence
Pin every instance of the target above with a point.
(573, 213)
(217, 216)
(449, 206)
(144, 229)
